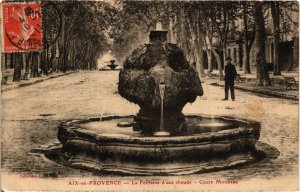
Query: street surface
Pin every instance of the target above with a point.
(30, 116)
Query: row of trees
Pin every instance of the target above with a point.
(195, 26)
(74, 36)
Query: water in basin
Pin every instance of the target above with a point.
(191, 126)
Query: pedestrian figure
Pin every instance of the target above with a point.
(230, 74)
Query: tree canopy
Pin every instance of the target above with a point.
(77, 33)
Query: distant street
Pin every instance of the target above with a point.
(30, 116)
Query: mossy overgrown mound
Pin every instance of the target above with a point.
(139, 80)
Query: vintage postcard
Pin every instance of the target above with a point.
(149, 95)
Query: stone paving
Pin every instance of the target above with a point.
(30, 116)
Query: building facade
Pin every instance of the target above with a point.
(288, 45)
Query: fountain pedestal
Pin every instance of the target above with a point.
(142, 74)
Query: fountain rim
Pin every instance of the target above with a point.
(74, 130)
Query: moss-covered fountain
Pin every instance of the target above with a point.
(160, 139)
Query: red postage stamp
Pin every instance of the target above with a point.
(22, 27)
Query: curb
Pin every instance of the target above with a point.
(36, 81)
(263, 92)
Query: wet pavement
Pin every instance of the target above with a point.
(31, 115)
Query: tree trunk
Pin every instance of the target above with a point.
(171, 30)
(246, 62)
(209, 57)
(23, 58)
(197, 47)
(200, 36)
(224, 35)
(73, 54)
(176, 30)
(276, 29)
(209, 60)
(50, 62)
(183, 37)
(295, 62)
(34, 65)
(11, 62)
(199, 58)
(57, 55)
(46, 69)
(261, 72)
(66, 63)
(240, 55)
(63, 52)
(218, 61)
(216, 55)
(17, 67)
(5, 60)
(27, 62)
(219, 64)
(44, 62)
(224, 49)
(44, 53)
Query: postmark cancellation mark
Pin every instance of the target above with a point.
(22, 27)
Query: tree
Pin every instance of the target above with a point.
(275, 11)
(209, 52)
(27, 62)
(225, 16)
(208, 18)
(34, 68)
(11, 62)
(262, 74)
(248, 33)
(196, 33)
(17, 67)
(5, 60)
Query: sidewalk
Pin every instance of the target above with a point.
(277, 88)
(12, 85)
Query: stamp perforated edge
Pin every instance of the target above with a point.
(3, 33)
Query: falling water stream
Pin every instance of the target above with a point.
(162, 93)
(162, 132)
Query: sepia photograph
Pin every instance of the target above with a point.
(124, 95)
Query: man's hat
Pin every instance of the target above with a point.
(228, 59)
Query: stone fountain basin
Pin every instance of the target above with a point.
(202, 141)
(208, 143)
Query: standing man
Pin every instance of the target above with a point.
(230, 74)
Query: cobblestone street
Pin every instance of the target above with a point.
(31, 115)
